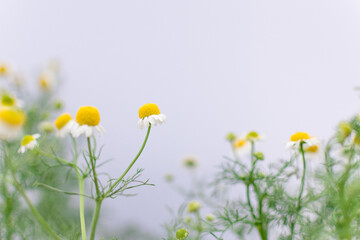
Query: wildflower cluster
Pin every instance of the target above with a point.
(26, 146)
(322, 206)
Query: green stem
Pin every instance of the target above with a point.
(95, 218)
(36, 214)
(93, 166)
(131, 164)
(22, 192)
(298, 205)
(81, 192)
(81, 203)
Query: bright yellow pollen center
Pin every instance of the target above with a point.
(88, 115)
(62, 120)
(312, 149)
(239, 143)
(299, 136)
(7, 100)
(12, 116)
(27, 139)
(148, 110)
(3, 69)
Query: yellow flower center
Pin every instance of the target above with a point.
(299, 136)
(27, 139)
(12, 116)
(62, 120)
(4, 69)
(7, 100)
(239, 143)
(45, 82)
(88, 115)
(312, 149)
(148, 110)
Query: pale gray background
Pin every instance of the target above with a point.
(276, 66)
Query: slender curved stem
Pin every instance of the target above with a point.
(95, 218)
(298, 205)
(33, 210)
(81, 203)
(92, 162)
(131, 164)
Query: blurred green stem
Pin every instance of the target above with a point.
(33, 210)
(298, 205)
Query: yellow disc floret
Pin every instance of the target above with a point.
(88, 115)
(4, 69)
(62, 120)
(12, 116)
(148, 110)
(26, 140)
(239, 143)
(312, 149)
(299, 136)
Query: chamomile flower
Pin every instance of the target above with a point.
(4, 70)
(302, 138)
(64, 124)
(313, 152)
(150, 114)
(46, 127)
(9, 100)
(11, 122)
(241, 145)
(46, 80)
(28, 142)
(87, 121)
(193, 206)
(254, 136)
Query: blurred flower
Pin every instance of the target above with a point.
(46, 127)
(344, 131)
(193, 206)
(241, 146)
(58, 105)
(87, 122)
(313, 152)
(187, 220)
(230, 137)
(64, 124)
(302, 138)
(259, 155)
(190, 162)
(46, 80)
(150, 114)
(4, 70)
(254, 136)
(182, 234)
(169, 177)
(28, 142)
(11, 122)
(9, 100)
(210, 217)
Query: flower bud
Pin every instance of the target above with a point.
(230, 137)
(259, 156)
(210, 217)
(194, 206)
(182, 234)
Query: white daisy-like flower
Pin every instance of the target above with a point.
(12, 121)
(87, 122)
(254, 136)
(241, 146)
(46, 80)
(150, 114)
(28, 142)
(313, 152)
(9, 100)
(64, 124)
(302, 138)
(5, 70)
